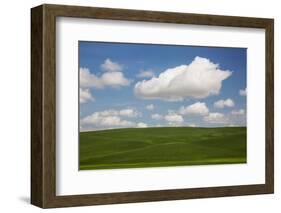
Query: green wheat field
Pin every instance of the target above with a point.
(161, 147)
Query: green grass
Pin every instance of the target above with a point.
(163, 146)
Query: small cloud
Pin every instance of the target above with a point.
(129, 112)
(173, 118)
(157, 116)
(110, 121)
(85, 96)
(150, 107)
(145, 74)
(114, 79)
(110, 66)
(238, 112)
(198, 108)
(215, 117)
(110, 118)
(111, 79)
(224, 103)
(87, 79)
(192, 125)
(243, 92)
(142, 125)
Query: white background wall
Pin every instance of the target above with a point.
(15, 105)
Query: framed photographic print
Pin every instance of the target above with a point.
(136, 106)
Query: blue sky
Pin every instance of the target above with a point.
(144, 85)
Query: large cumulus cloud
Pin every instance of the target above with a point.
(200, 79)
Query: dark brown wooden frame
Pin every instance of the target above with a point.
(43, 105)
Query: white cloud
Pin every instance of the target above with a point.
(110, 66)
(215, 117)
(235, 117)
(85, 96)
(238, 117)
(101, 120)
(192, 125)
(111, 118)
(87, 79)
(173, 118)
(243, 92)
(142, 125)
(114, 79)
(200, 79)
(111, 79)
(129, 112)
(238, 112)
(224, 103)
(157, 116)
(198, 108)
(150, 107)
(145, 74)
